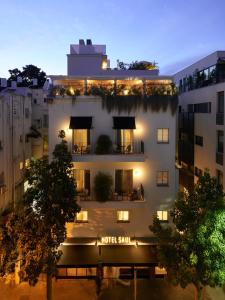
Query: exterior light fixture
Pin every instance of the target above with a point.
(137, 172)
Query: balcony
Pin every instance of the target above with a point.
(135, 195)
(220, 119)
(130, 152)
(219, 158)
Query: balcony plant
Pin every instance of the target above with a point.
(104, 145)
(103, 186)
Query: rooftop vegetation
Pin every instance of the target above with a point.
(122, 99)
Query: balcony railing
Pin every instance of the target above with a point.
(127, 148)
(135, 195)
(219, 158)
(219, 118)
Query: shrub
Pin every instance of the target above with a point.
(102, 186)
(104, 145)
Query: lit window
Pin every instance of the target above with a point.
(123, 216)
(162, 215)
(104, 64)
(25, 186)
(82, 216)
(162, 178)
(163, 135)
(27, 163)
(21, 165)
(160, 271)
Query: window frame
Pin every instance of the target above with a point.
(162, 184)
(120, 220)
(162, 215)
(162, 141)
(81, 221)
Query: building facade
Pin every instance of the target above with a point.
(15, 144)
(120, 125)
(201, 119)
(23, 136)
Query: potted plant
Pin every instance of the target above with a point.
(103, 186)
(104, 145)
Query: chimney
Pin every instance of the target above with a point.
(89, 42)
(81, 42)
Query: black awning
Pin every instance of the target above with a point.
(80, 122)
(124, 123)
(91, 255)
(78, 256)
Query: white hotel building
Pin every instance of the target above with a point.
(140, 161)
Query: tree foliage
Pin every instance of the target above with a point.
(193, 249)
(37, 227)
(28, 73)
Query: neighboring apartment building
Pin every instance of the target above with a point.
(201, 119)
(23, 135)
(15, 144)
(141, 161)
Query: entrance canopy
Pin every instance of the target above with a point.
(109, 255)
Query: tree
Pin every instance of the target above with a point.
(193, 248)
(38, 225)
(29, 72)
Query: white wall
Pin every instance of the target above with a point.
(102, 216)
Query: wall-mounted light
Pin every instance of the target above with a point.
(137, 172)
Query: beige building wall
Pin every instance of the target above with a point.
(15, 153)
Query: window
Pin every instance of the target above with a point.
(204, 107)
(163, 178)
(45, 121)
(220, 141)
(45, 144)
(37, 123)
(26, 112)
(81, 140)
(199, 140)
(82, 216)
(124, 140)
(123, 181)
(21, 165)
(160, 271)
(27, 163)
(219, 176)
(198, 172)
(220, 102)
(123, 216)
(162, 215)
(82, 181)
(163, 135)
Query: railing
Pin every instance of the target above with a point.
(135, 195)
(126, 148)
(219, 118)
(219, 158)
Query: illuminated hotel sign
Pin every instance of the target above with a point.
(115, 240)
